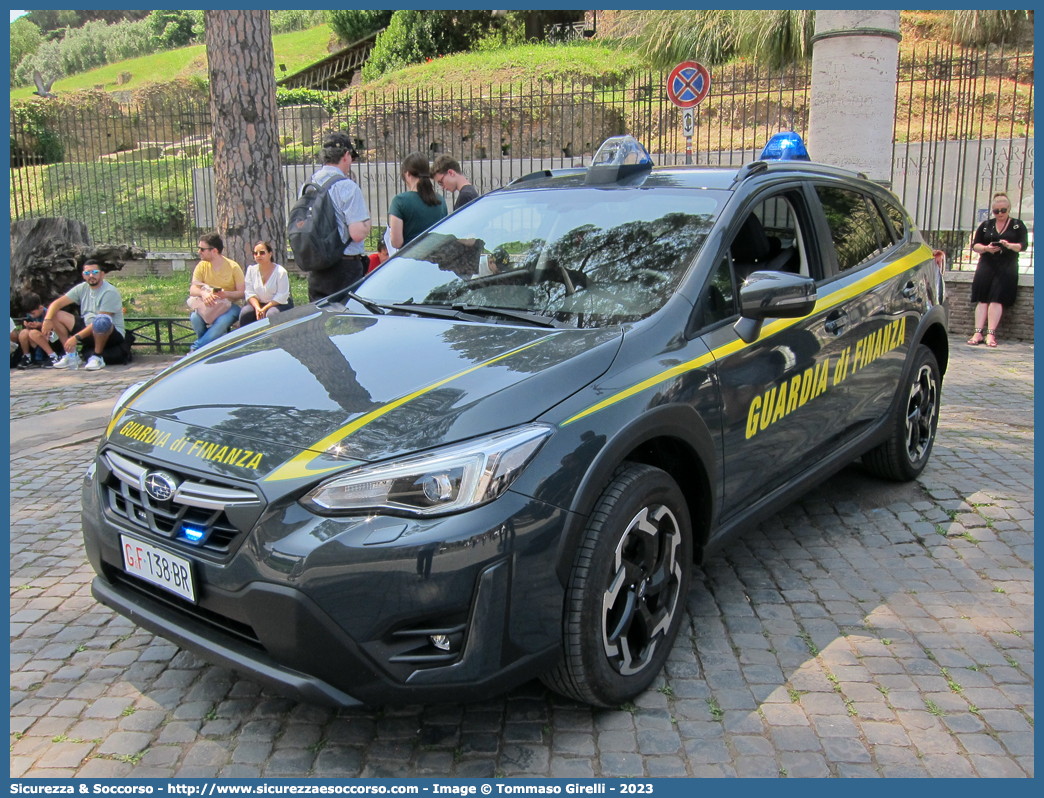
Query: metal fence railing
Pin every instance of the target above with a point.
(161, 334)
(963, 131)
(141, 173)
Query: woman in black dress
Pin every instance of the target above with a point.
(998, 241)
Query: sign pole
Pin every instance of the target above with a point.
(687, 86)
(688, 126)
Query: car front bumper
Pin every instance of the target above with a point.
(306, 605)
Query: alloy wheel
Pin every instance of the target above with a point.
(921, 413)
(643, 590)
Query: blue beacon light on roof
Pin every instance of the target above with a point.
(785, 147)
(618, 157)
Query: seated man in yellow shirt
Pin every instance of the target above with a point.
(215, 277)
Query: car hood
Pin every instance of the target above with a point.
(313, 393)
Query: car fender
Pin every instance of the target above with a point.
(931, 330)
(677, 421)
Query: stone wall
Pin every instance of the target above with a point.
(164, 264)
(1017, 321)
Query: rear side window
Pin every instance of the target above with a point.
(855, 224)
(897, 216)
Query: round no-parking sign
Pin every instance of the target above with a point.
(688, 84)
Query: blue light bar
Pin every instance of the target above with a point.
(192, 535)
(620, 151)
(619, 157)
(785, 147)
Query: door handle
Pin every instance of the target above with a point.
(836, 322)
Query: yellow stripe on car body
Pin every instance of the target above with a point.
(297, 467)
(857, 287)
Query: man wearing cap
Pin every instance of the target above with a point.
(353, 219)
(101, 308)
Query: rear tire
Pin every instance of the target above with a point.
(626, 594)
(905, 454)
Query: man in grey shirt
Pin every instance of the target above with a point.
(353, 219)
(101, 307)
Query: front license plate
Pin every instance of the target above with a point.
(157, 566)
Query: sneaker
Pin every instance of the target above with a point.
(25, 362)
(61, 363)
(53, 362)
(95, 363)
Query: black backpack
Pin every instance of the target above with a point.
(312, 228)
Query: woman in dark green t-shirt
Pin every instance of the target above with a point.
(414, 211)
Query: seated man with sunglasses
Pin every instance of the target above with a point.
(215, 277)
(101, 330)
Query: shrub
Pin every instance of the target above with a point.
(297, 19)
(511, 34)
(163, 220)
(298, 154)
(127, 40)
(416, 36)
(47, 59)
(33, 136)
(84, 48)
(170, 29)
(350, 26)
(199, 27)
(330, 100)
(25, 40)
(990, 27)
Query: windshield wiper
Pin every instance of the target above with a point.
(373, 307)
(509, 313)
(466, 312)
(437, 311)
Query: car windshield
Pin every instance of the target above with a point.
(583, 257)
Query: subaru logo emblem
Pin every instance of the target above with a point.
(160, 485)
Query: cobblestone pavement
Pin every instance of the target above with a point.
(39, 390)
(869, 629)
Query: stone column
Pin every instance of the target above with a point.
(855, 61)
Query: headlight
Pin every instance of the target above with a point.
(434, 483)
(123, 400)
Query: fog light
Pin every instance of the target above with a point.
(441, 642)
(192, 535)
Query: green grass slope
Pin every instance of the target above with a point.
(590, 63)
(295, 50)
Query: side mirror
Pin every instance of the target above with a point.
(773, 295)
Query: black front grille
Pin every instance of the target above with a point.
(177, 520)
(240, 631)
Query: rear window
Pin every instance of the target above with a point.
(587, 257)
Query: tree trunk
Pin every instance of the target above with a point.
(48, 253)
(248, 178)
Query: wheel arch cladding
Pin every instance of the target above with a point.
(935, 338)
(673, 438)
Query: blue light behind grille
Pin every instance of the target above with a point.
(191, 534)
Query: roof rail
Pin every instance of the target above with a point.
(749, 170)
(531, 176)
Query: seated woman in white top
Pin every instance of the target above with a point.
(267, 287)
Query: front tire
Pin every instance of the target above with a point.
(626, 594)
(905, 454)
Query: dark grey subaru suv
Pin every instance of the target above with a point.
(498, 456)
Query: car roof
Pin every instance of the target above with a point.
(695, 177)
